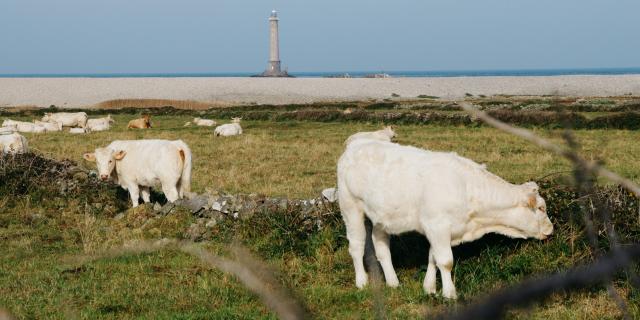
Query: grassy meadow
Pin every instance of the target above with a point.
(40, 276)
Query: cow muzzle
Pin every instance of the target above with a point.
(104, 177)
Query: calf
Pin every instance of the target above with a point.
(141, 123)
(13, 143)
(229, 129)
(68, 119)
(447, 198)
(79, 130)
(137, 165)
(385, 134)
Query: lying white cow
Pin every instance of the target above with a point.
(68, 119)
(137, 165)
(22, 126)
(49, 126)
(79, 130)
(100, 124)
(8, 129)
(204, 122)
(13, 143)
(386, 134)
(447, 198)
(229, 129)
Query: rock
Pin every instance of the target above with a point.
(196, 204)
(212, 223)
(167, 208)
(119, 216)
(98, 205)
(81, 176)
(196, 230)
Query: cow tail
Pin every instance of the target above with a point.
(184, 184)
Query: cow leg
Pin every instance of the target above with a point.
(356, 233)
(145, 192)
(440, 240)
(429, 284)
(134, 192)
(381, 244)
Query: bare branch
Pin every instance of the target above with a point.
(548, 145)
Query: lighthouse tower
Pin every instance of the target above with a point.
(273, 69)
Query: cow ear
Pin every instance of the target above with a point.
(530, 201)
(89, 157)
(532, 186)
(120, 155)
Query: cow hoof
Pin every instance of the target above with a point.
(393, 283)
(361, 282)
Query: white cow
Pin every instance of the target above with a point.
(100, 124)
(79, 130)
(49, 126)
(386, 134)
(229, 129)
(8, 129)
(68, 119)
(204, 122)
(137, 165)
(13, 143)
(447, 198)
(22, 126)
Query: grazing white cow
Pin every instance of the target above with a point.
(68, 119)
(137, 165)
(229, 129)
(13, 143)
(22, 126)
(100, 124)
(49, 126)
(386, 134)
(204, 122)
(79, 130)
(447, 198)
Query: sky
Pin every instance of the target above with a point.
(204, 36)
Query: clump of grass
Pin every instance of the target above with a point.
(395, 95)
(426, 96)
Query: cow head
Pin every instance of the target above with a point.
(389, 131)
(531, 213)
(105, 160)
(236, 120)
(147, 121)
(110, 119)
(47, 117)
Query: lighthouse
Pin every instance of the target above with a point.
(273, 68)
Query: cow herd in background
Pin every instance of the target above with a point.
(447, 198)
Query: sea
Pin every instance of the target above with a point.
(354, 74)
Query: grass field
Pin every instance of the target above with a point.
(39, 278)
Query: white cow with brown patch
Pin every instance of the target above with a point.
(13, 143)
(447, 198)
(68, 119)
(138, 165)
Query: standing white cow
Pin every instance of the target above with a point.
(447, 198)
(137, 165)
(49, 126)
(229, 129)
(13, 143)
(100, 124)
(386, 134)
(68, 119)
